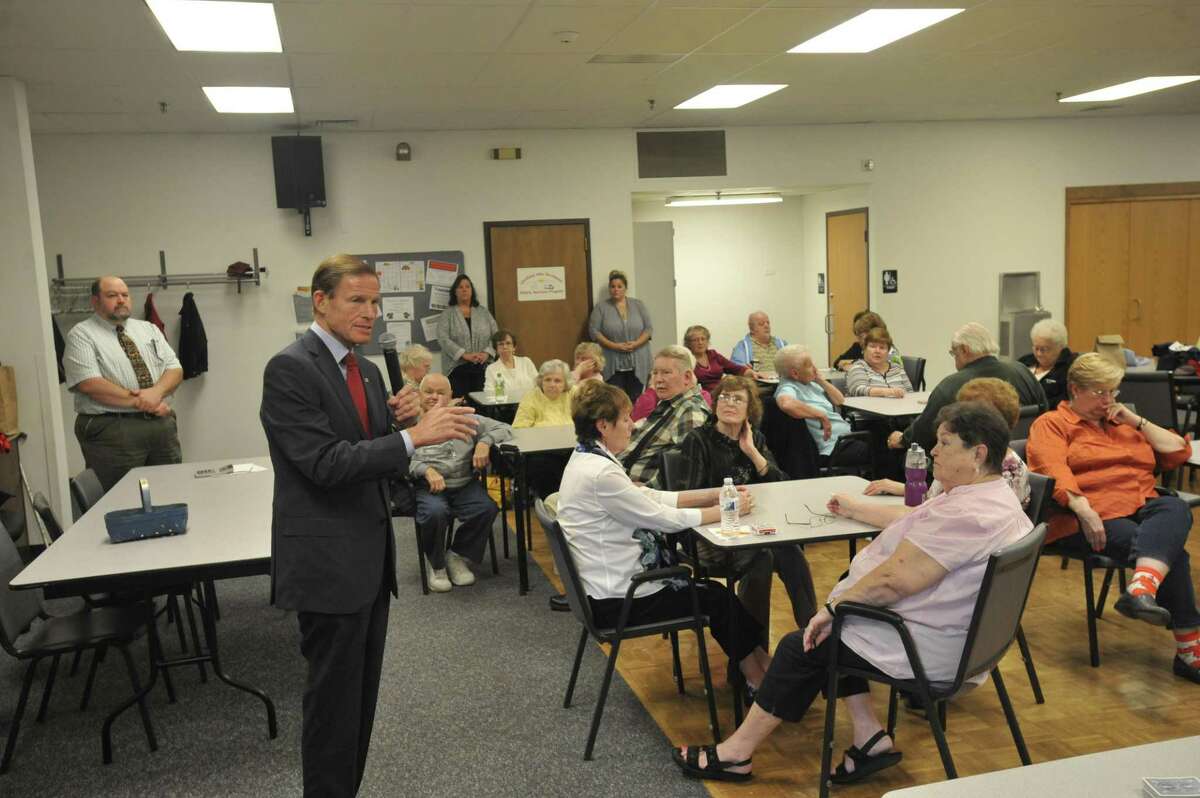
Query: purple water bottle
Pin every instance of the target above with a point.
(914, 476)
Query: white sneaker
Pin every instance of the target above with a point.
(438, 582)
(460, 570)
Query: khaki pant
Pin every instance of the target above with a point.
(113, 444)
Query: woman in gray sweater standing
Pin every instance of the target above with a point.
(621, 324)
(465, 334)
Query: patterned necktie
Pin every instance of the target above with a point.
(354, 382)
(135, 358)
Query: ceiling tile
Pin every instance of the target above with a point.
(80, 25)
(236, 69)
(595, 26)
(528, 69)
(674, 30)
(382, 69)
(775, 30)
(91, 67)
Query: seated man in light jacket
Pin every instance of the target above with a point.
(759, 347)
(446, 485)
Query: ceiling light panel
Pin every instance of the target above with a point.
(1131, 88)
(217, 26)
(250, 99)
(873, 29)
(723, 199)
(730, 95)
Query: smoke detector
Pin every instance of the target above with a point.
(566, 36)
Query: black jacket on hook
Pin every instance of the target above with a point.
(193, 342)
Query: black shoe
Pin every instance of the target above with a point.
(559, 603)
(1143, 608)
(1189, 672)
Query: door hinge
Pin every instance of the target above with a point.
(866, 235)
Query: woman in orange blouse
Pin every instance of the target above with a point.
(1103, 457)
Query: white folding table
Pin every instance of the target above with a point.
(912, 404)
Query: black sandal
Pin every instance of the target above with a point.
(865, 764)
(713, 768)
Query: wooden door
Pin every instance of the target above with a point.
(1098, 292)
(847, 274)
(1158, 273)
(516, 251)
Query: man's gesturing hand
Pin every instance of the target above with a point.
(405, 405)
(444, 423)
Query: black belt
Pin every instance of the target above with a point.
(136, 414)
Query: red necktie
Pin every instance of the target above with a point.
(354, 382)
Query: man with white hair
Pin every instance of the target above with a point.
(680, 409)
(758, 349)
(804, 394)
(974, 351)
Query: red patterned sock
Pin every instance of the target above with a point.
(1187, 645)
(1145, 582)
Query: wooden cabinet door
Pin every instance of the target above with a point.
(1098, 290)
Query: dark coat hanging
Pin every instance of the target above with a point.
(193, 342)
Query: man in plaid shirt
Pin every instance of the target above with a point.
(680, 409)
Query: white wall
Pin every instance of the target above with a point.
(952, 206)
(731, 261)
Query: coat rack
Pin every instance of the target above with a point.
(163, 280)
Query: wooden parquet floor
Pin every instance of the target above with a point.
(1133, 698)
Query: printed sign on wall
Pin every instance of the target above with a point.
(541, 283)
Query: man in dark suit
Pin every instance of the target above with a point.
(334, 440)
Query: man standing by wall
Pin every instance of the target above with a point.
(121, 371)
(333, 437)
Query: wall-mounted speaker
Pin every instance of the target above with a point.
(299, 172)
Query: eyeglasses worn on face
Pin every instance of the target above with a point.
(1100, 393)
(732, 399)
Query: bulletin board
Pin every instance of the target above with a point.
(414, 290)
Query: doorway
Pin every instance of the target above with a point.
(847, 269)
(539, 279)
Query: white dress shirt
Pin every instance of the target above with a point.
(599, 508)
(92, 350)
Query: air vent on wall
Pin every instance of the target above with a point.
(685, 153)
(334, 123)
(636, 58)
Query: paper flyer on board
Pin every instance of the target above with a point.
(389, 276)
(412, 276)
(439, 297)
(541, 283)
(429, 327)
(441, 273)
(398, 308)
(403, 332)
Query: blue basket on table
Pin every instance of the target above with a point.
(146, 521)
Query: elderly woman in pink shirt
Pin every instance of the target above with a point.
(927, 567)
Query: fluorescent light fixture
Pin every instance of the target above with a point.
(873, 29)
(217, 26)
(1131, 88)
(731, 95)
(723, 199)
(250, 99)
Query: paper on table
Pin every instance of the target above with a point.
(398, 308)
(743, 531)
(247, 468)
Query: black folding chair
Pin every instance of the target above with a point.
(397, 512)
(86, 490)
(1025, 418)
(54, 636)
(1152, 394)
(914, 367)
(582, 609)
(994, 623)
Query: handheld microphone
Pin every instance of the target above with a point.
(387, 342)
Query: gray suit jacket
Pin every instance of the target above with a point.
(331, 533)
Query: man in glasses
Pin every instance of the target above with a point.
(974, 351)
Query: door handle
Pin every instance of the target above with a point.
(829, 324)
(1137, 309)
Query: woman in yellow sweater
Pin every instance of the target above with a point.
(547, 405)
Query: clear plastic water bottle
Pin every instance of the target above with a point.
(729, 506)
(501, 391)
(914, 476)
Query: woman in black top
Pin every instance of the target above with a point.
(731, 445)
(1050, 359)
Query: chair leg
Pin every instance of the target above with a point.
(504, 514)
(1011, 717)
(583, 636)
(599, 711)
(708, 688)
(676, 667)
(97, 657)
(853, 547)
(1030, 668)
(191, 618)
(174, 615)
(830, 717)
(1089, 599)
(941, 710)
(216, 605)
(106, 732)
(893, 707)
(47, 689)
(492, 551)
(15, 724)
(1121, 578)
(1108, 575)
(939, 736)
(421, 560)
(75, 663)
(1065, 562)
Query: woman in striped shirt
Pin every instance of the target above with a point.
(876, 374)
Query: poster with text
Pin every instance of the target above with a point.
(439, 297)
(429, 327)
(403, 332)
(398, 308)
(389, 276)
(541, 283)
(441, 273)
